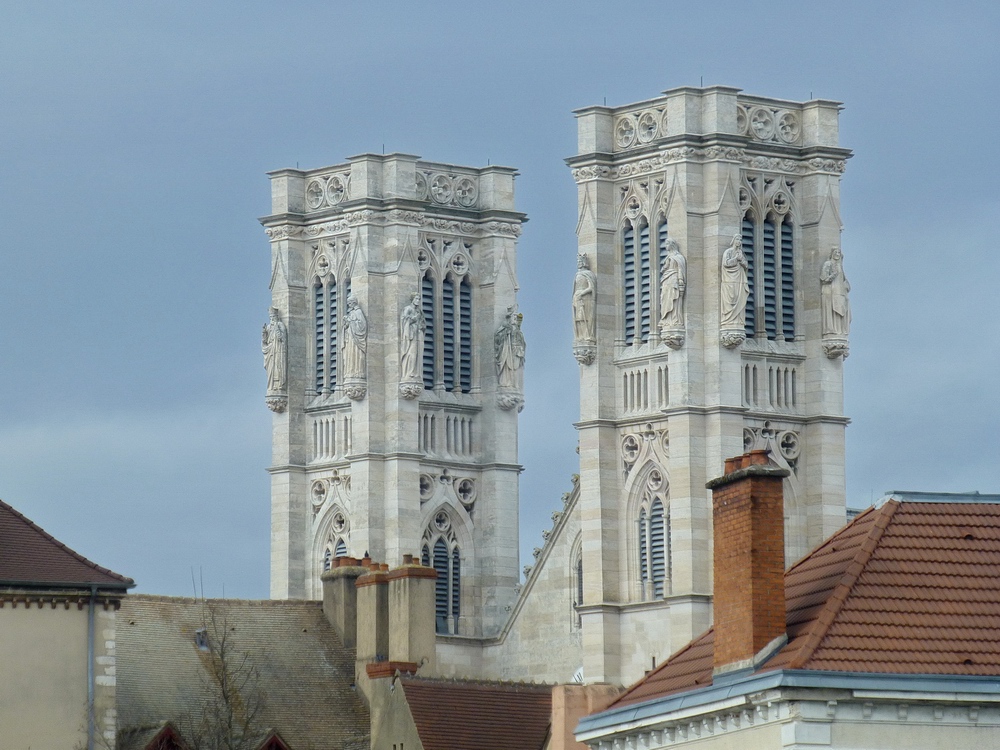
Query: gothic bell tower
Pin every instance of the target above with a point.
(710, 316)
(395, 420)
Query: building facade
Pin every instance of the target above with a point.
(395, 366)
(710, 315)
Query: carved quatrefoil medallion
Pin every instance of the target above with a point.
(314, 194)
(625, 132)
(466, 192)
(336, 189)
(442, 190)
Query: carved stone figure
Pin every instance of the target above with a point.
(673, 283)
(584, 312)
(274, 346)
(355, 349)
(411, 348)
(735, 290)
(509, 350)
(835, 304)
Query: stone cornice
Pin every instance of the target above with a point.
(493, 223)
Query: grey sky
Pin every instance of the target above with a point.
(134, 138)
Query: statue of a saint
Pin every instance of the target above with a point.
(735, 289)
(509, 347)
(411, 340)
(355, 341)
(584, 303)
(673, 282)
(836, 306)
(274, 346)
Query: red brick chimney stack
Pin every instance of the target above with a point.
(748, 516)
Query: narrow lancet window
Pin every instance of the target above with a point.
(628, 273)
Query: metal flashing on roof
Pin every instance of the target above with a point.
(904, 496)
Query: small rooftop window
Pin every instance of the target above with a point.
(201, 639)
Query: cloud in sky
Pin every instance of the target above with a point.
(135, 140)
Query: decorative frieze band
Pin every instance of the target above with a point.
(395, 216)
(710, 153)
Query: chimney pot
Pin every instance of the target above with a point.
(407, 559)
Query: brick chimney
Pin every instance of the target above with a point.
(748, 517)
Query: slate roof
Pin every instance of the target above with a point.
(31, 557)
(471, 715)
(905, 588)
(305, 673)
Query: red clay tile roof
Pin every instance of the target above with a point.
(31, 557)
(461, 715)
(906, 588)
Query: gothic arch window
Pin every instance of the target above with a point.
(335, 548)
(769, 247)
(654, 547)
(441, 551)
(447, 308)
(628, 282)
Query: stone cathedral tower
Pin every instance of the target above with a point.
(395, 365)
(707, 234)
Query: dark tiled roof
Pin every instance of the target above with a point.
(906, 588)
(464, 715)
(29, 556)
(305, 675)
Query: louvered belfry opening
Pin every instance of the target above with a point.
(769, 250)
(447, 587)
(325, 319)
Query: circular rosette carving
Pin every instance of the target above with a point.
(318, 492)
(426, 487)
(742, 119)
(630, 449)
(322, 266)
(442, 191)
(339, 522)
(749, 439)
(655, 480)
(315, 194)
(744, 199)
(336, 189)
(633, 206)
(780, 202)
(788, 444)
(460, 264)
(421, 187)
(625, 132)
(788, 127)
(647, 126)
(466, 192)
(423, 259)
(441, 521)
(762, 123)
(466, 491)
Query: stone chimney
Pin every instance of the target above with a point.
(373, 615)
(748, 517)
(340, 597)
(411, 615)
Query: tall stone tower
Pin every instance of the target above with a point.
(395, 364)
(711, 316)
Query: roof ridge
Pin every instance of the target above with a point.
(844, 586)
(48, 537)
(472, 681)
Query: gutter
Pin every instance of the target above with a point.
(90, 667)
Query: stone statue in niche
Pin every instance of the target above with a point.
(411, 348)
(274, 346)
(836, 306)
(735, 290)
(509, 350)
(673, 283)
(584, 312)
(355, 350)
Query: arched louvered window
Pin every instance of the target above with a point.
(579, 579)
(628, 280)
(749, 251)
(645, 295)
(325, 316)
(465, 335)
(654, 550)
(319, 311)
(446, 559)
(327, 558)
(427, 302)
(448, 333)
(661, 246)
(769, 251)
(787, 281)
(341, 550)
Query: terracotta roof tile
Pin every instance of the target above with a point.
(29, 556)
(905, 588)
(463, 715)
